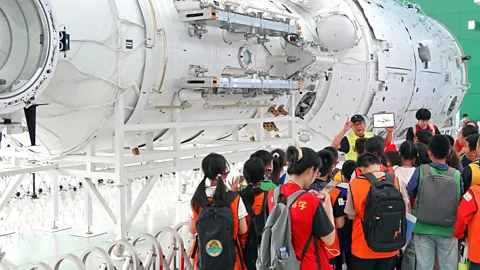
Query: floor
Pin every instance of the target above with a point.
(24, 216)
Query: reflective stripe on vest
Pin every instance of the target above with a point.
(475, 167)
(352, 138)
(474, 228)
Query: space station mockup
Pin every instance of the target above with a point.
(64, 64)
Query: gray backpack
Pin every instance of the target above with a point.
(437, 203)
(278, 234)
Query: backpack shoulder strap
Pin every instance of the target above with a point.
(451, 172)
(432, 128)
(414, 130)
(204, 201)
(371, 178)
(292, 198)
(231, 196)
(390, 178)
(276, 194)
(426, 169)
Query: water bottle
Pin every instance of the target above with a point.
(283, 253)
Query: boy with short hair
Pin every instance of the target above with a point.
(471, 173)
(345, 233)
(435, 238)
(363, 257)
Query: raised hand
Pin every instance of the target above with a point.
(348, 125)
(235, 184)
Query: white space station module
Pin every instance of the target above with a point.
(220, 60)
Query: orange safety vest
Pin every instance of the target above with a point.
(333, 250)
(359, 190)
(234, 207)
(474, 228)
(257, 208)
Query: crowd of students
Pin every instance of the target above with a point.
(361, 220)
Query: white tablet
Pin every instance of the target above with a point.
(383, 120)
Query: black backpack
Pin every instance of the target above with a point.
(255, 231)
(384, 223)
(215, 239)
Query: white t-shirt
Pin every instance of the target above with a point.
(209, 190)
(404, 174)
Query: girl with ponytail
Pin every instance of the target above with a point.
(279, 162)
(311, 215)
(212, 191)
(267, 158)
(255, 200)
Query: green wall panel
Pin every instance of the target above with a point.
(455, 14)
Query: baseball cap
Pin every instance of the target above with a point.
(357, 118)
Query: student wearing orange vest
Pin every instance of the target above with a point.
(470, 148)
(376, 146)
(365, 258)
(336, 173)
(423, 116)
(468, 214)
(212, 192)
(471, 173)
(255, 200)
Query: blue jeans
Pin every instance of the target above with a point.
(445, 247)
(409, 256)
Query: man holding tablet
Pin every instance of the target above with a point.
(346, 144)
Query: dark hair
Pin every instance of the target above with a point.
(376, 146)
(348, 168)
(367, 159)
(439, 146)
(464, 115)
(254, 171)
(394, 158)
(333, 150)
(423, 114)
(360, 145)
(327, 161)
(451, 139)
(408, 150)
(213, 167)
(473, 122)
(472, 141)
(423, 157)
(279, 159)
(453, 160)
(423, 135)
(297, 165)
(469, 130)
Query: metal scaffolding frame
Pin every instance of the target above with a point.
(123, 165)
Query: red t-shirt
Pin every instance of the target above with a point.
(458, 147)
(307, 216)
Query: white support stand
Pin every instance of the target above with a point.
(120, 211)
(55, 202)
(88, 220)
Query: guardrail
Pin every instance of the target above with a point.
(126, 255)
